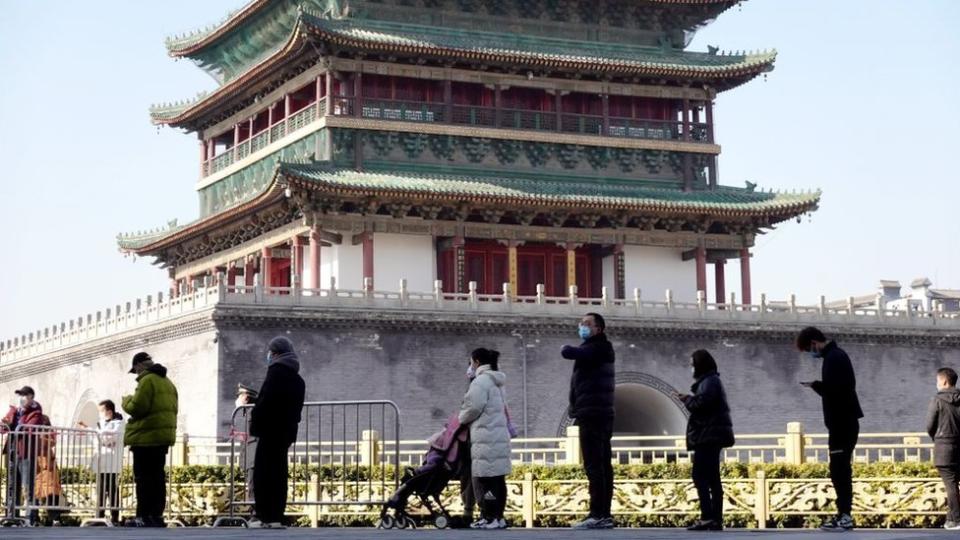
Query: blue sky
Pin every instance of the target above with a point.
(863, 104)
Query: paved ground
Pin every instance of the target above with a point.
(510, 534)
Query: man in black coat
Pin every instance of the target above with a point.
(837, 388)
(591, 406)
(943, 425)
(275, 419)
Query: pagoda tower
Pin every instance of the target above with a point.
(532, 143)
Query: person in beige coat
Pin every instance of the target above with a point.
(485, 411)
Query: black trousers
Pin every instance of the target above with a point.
(842, 440)
(270, 475)
(493, 496)
(950, 474)
(706, 477)
(151, 481)
(595, 435)
(109, 495)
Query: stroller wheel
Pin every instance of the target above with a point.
(406, 522)
(441, 522)
(387, 522)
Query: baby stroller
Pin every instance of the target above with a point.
(441, 463)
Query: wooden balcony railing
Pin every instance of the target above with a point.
(466, 115)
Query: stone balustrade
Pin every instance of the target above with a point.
(151, 310)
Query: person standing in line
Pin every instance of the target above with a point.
(150, 432)
(21, 480)
(248, 449)
(837, 389)
(943, 425)
(468, 484)
(709, 431)
(275, 421)
(109, 464)
(485, 411)
(592, 408)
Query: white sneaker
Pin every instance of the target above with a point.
(495, 524)
(257, 524)
(479, 524)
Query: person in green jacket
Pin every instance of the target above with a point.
(151, 431)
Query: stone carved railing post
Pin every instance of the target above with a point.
(370, 448)
(763, 304)
(438, 292)
(368, 288)
(638, 300)
(529, 506)
(332, 293)
(794, 443)
(404, 293)
(669, 301)
(258, 288)
(604, 296)
(540, 294)
(507, 295)
(472, 293)
(571, 446)
(761, 508)
(572, 295)
(296, 289)
(701, 302)
(222, 287)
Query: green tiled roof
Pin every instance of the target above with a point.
(134, 240)
(553, 190)
(452, 40)
(487, 47)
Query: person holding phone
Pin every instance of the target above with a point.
(709, 431)
(837, 389)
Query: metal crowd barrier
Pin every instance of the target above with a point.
(60, 471)
(346, 454)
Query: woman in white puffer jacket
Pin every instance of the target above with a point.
(485, 411)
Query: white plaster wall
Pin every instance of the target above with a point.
(192, 364)
(654, 270)
(398, 256)
(344, 262)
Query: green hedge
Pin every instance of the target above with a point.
(199, 474)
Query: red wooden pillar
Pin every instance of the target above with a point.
(358, 94)
(297, 267)
(174, 287)
(232, 275)
(266, 259)
(448, 100)
(559, 112)
(368, 258)
(709, 112)
(701, 269)
(605, 103)
(718, 267)
(249, 269)
(314, 262)
(745, 276)
(686, 119)
(498, 106)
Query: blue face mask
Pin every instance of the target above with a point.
(268, 360)
(583, 331)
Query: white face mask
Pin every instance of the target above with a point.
(24, 401)
(693, 372)
(471, 373)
